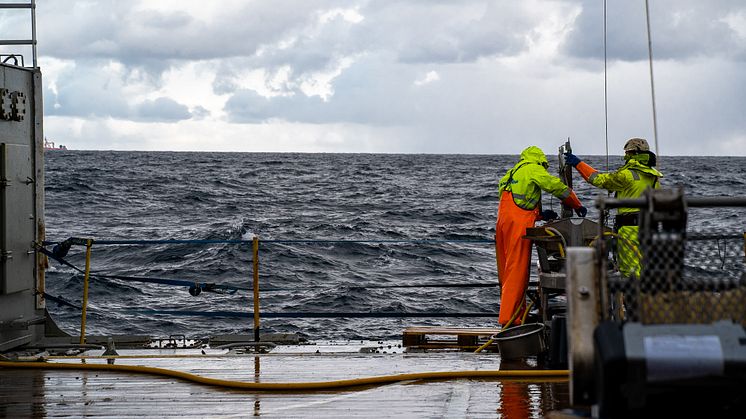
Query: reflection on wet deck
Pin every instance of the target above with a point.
(98, 393)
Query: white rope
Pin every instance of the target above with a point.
(652, 85)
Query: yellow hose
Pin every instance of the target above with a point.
(507, 325)
(481, 348)
(525, 313)
(523, 321)
(320, 385)
(554, 232)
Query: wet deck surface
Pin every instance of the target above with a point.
(38, 393)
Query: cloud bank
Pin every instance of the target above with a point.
(416, 76)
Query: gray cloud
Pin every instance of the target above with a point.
(415, 32)
(362, 95)
(448, 32)
(114, 29)
(480, 101)
(702, 109)
(161, 109)
(199, 112)
(87, 91)
(90, 91)
(681, 29)
(260, 35)
(392, 39)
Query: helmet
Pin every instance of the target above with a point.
(636, 144)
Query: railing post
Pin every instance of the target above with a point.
(88, 244)
(256, 287)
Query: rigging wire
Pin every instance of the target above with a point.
(606, 102)
(652, 86)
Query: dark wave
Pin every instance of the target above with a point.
(234, 196)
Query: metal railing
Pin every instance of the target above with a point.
(6, 58)
(195, 287)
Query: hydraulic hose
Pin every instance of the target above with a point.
(507, 325)
(525, 313)
(299, 386)
(481, 348)
(554, 232)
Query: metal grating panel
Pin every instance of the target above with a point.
(700, 280)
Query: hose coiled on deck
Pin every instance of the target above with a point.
(299, 386)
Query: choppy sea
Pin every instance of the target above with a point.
(378, 226)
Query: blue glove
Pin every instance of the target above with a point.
(572, 159)
(548, 215)
(582, 211)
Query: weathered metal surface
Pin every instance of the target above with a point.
(21, 207)
(583, 316)
(279, 338)
(86, 393)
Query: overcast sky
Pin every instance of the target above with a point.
(416, 76)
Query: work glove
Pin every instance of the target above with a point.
(572, 159)
(548, 215)
(582, 211)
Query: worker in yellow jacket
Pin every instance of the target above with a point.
(519, 208)
(629, 181)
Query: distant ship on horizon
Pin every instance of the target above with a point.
(49, 145)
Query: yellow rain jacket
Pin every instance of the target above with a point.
(526, 184)
(520, 194)
(629, 181)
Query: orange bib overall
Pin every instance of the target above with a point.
(513, 256)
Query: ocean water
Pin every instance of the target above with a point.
(442, 199)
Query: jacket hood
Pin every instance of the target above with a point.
(636, 165)
(534, 154)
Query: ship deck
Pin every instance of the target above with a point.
(34, 393)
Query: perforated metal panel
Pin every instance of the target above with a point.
(700, 280)
(677, 275)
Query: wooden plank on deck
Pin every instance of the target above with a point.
(465, 338)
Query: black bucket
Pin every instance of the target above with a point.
(521, 341)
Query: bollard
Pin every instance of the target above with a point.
(88, 244)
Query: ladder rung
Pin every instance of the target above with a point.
(17, 5)
(17, 42)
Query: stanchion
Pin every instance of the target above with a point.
(256, 288)
(88, 244)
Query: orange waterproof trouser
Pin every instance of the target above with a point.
(513, 255)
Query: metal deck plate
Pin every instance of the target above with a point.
(99, 393)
